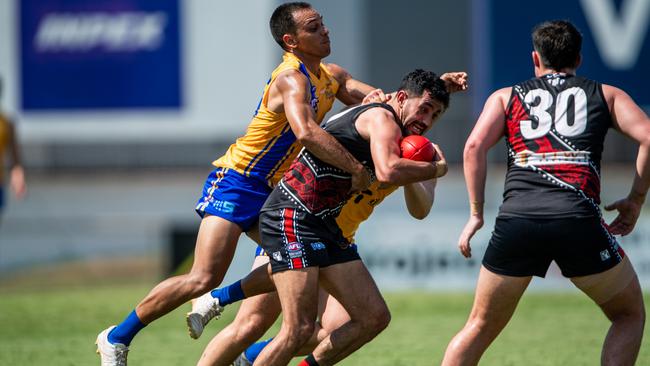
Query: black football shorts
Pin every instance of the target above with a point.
(525, 247)
(295, 239)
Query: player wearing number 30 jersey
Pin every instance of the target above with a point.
(554, 127)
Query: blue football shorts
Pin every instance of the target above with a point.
(232, 196)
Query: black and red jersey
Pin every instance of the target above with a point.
(317, 187)
(555, 129)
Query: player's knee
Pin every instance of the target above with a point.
(202, 282)
(250, 329)
(382, 319)
(638, 312)
(633, 314)
(302, 331)
(376, 321)
(481, 319)
(639, 318)
(642, 313)
(305, 330)
(478, 324)
(627, 307)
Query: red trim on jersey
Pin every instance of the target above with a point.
(580, 177)
(517, 113)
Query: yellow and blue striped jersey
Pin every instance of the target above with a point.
(269, 145)
(359, 207)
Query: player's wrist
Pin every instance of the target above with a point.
(358, 169)
(637, 197)
(476, 208)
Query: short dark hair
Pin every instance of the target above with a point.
(558, 43)
(282, 21)
(418, 81)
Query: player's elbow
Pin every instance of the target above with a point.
(388, 178)
(473, 148)
(645, 142)
(305, 136)
(387, 175)
(420, 212)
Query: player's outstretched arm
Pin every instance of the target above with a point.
(377, 96)
(294, 89)
(351, 91)
(630, 120)
(486, 133)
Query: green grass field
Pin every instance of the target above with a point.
(58, 327)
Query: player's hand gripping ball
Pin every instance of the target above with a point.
(416, 147)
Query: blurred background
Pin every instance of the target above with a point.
(121, 105)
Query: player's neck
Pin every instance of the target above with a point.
(396, 107)
(311, 63)
(541, 71)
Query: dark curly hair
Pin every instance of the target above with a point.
(418, 81)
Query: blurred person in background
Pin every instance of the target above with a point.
(555, 126)
(300, 92)
(10, 154)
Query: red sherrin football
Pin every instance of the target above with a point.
(416, 147)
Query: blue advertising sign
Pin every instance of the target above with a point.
(616, 44)
(102, 54)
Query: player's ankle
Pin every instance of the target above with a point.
(309, 361)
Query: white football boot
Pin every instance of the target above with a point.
(242, 361)
(204, 309)
(110, 354)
